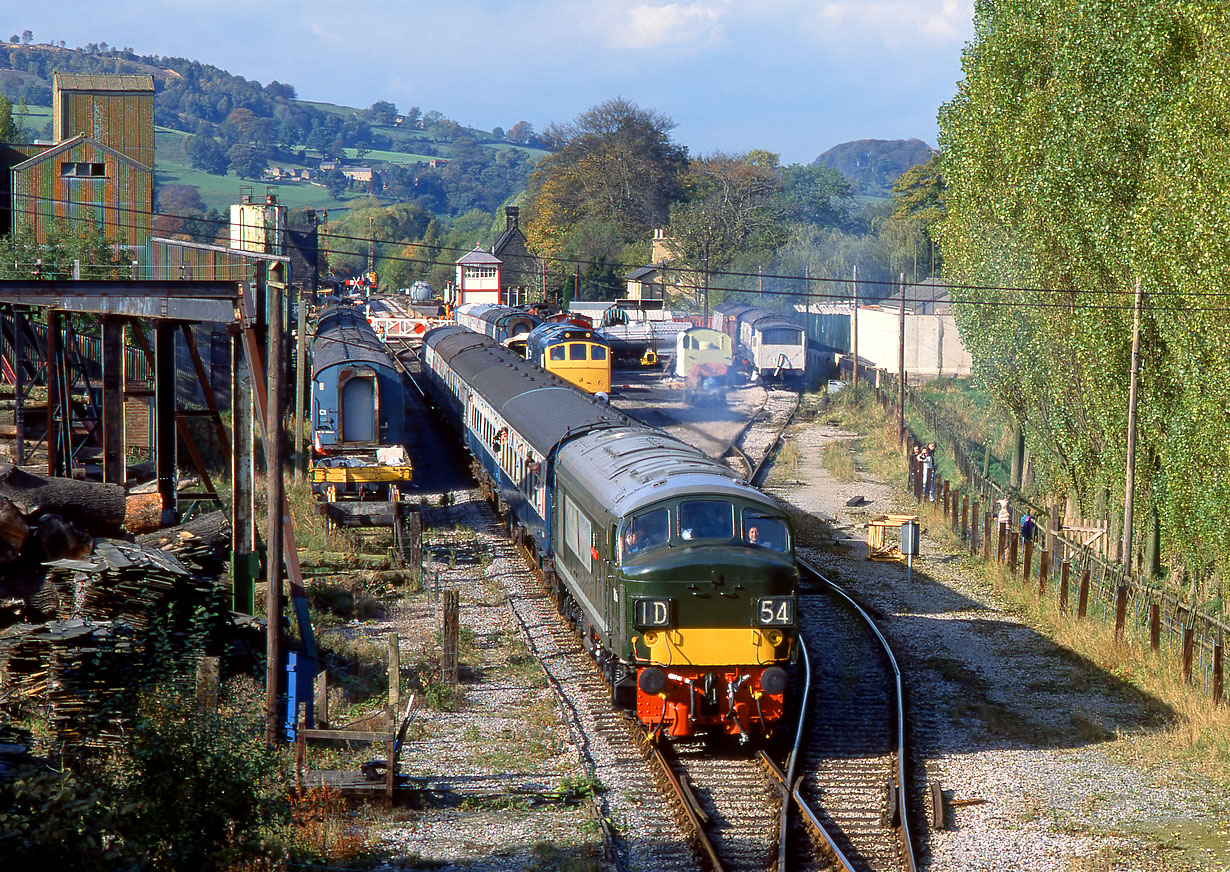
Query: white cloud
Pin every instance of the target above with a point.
(896, 23)
(677, 26)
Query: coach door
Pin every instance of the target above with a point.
(358, 405)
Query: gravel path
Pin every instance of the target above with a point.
(1005, 719)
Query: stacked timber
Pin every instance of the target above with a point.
(120, 615)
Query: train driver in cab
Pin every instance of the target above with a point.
(765, 533)
(646, 531)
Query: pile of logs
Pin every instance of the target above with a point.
(81, 603)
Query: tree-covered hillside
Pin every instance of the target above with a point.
(871, 166)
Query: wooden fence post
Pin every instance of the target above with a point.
(1189, 637)
(1029, 561)
(1120, 612)
(1001, 542)
(1155, 626)
(947, 497)
(1044, 570)
(986, 538)
(1217, 670)
(956, 516)
(965, 516)
(973, 527)
(451, 636)
(1013, 543)
(1064, 574)
(394, 674)
(1082, 605)
(414, 537)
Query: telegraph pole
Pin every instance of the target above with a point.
(1131, 427)
(854, 329)
(901, 367)
(706, 265)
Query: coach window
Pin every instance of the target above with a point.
(576, 350)
(597, 352)
(706, 519)
(557, 352)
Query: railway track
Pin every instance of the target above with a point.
(850, 802)
(753, 447)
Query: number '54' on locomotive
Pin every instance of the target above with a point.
(679, 576)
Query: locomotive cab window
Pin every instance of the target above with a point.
(782, 336)
(647, 530)
(557, 352)
(706, 519)
(597, 352)
(576, 350)
(765, 531)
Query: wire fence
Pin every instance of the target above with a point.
(1071, 564)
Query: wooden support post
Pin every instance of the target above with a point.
(320, 693)
(394, 676)
(1014, 541)
(274, 487)
(55, 351)
(1082, 603)
(115, 451)
(165, 442)
(947, 497)
(965, 516)
(956, 516)
(451, 636)
(1029, 561)
(1044, 570)
(243, 476)
(1001, 541)
(1120, 612)
(1064, 574)
(1155, 626)
(987, 539)
(390, 769)
(974, 515)
(414, 537)
(299, 438)
(19, 370)
(1189, 639)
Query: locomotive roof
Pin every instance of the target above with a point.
(552, 332)
(344, 336)
(540, 406)
(628, 468)
(762, 318)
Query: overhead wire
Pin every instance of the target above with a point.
(697, 287)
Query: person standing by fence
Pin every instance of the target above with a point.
(928, 462)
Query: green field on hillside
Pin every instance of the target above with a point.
(219, 192)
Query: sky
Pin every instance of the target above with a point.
(794, 77)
